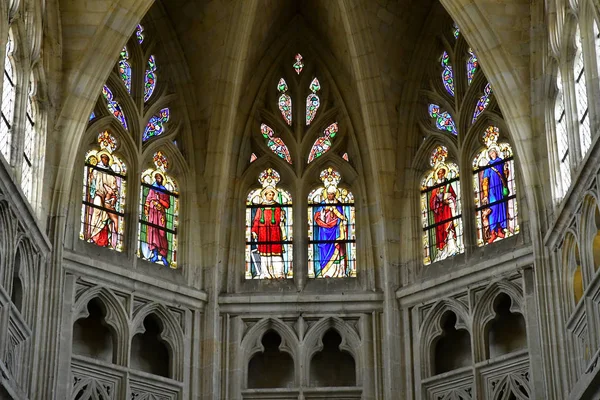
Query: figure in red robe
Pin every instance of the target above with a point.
(443, 203)
(155, 209)
(268, 230)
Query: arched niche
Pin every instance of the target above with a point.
(16, 294)
(452, 349)
(273, 367)
(252, 344)
(332, 366)
(149, 352)
(92, 336)
(506, 332)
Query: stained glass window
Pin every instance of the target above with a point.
(583, 117)
(441, 209)
(298, 65)
(29, 146)
(472, 65)
(495, 190)
(7, 110)
(323, 143)
(597, 45)
(139, 34)
(345, 157)
(125, 69)
(113, 106)
(103, 205)
(155, 126)
(483, 102)
(92, 116)
(455, 30)
(150, 79)
(443, 120)
(253, 158)
(331, 229)
(276, 144)
(447, 74)
(269, 221)
(285, 101)
(159, 214)
(562, 141)
(312, 101)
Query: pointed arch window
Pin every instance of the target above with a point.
(562, 141)
(29, 145)
(7, 110)
(269, 222)
(157, 203)
(441, 209)
(444, 234)
(329, 243)
(331, 229)
(583, 117)
(495, 190)
(103, 205)
(159, 214)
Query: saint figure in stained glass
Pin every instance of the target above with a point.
(331, 229)
(155, 126)
(495, 190)
(447, 73)
(483, 102)
(103, 205)
(440, 209)
(159, 214)
(298, 64)
(150, 79)
(285, 101)
(312, 101)
(323, 143)
(443, 120)
(276, 144)
(269, 230)
(113, 106)
(472, 65)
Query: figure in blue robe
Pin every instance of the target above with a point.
(330, 228)
(495, 190)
